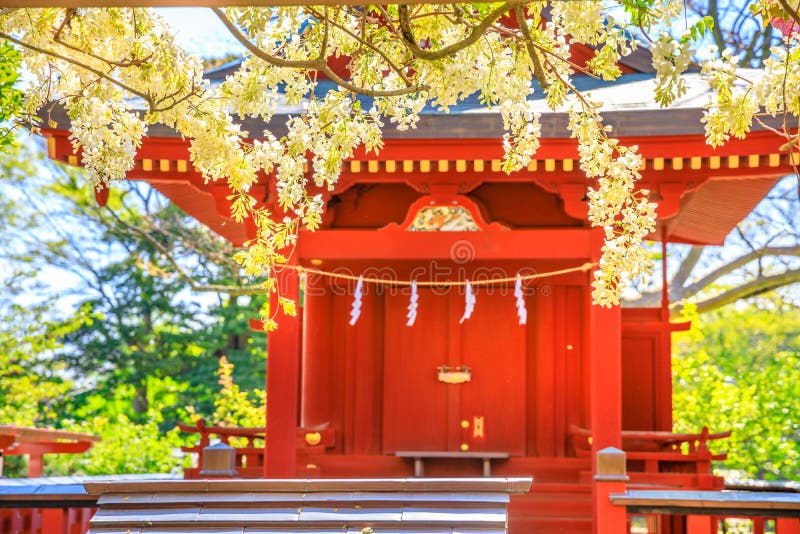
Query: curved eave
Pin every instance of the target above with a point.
(203, 206)
(716, 188)
(485, 124)
(708, 214)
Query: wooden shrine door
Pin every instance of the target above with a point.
(423, 413)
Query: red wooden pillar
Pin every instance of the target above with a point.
(315, 403)
(605, 369)
(283, 373)
(605, 378)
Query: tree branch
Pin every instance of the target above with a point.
(686, 267)
(477, 32)
(205, 288)
(741, 261)
(716, 31)
(369, 45)
(792, 12)
(760, 285)
(144, 96)
(318, 64)
(526, 33)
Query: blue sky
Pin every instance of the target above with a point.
(200, 32)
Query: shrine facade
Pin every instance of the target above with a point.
(489, 393)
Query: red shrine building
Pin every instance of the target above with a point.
(486, 395)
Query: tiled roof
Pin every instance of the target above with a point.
(433, 506)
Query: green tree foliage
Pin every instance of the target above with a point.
(131, 447)
(31, 386)
(739, 369)
(126, 447)
(139, 266)
(113, 319)
(232, 405)
(10, 96)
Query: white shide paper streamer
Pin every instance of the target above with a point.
(412, 305)
(469, 302)
(355, 311)
(522, 312)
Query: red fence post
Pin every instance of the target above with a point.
(787, 525)
(35, 465)
(701, 524)
(610, 478)
(53, 520)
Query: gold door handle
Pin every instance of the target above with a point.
(450, 374)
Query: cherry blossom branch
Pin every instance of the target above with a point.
(57, 38)
(100, 74)
(791, 11)
(311, 64)
(368, 44)
(529, 46)
(477, 32)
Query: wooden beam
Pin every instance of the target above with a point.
(610, 478)
(35, 466)
(787, 525)
(605, 376)
(55, 447)
(486, 245)
(31, 435)
(315, 395)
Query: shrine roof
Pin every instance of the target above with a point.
(704, 191)
(627, 104)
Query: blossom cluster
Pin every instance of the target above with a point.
(624, 213)
(671, 58)
(118, 71)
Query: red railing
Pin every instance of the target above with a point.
(249, 445)
(671, 459)
(617, 502)
(36, 442)
(45, 520)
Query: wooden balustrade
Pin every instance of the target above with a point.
(36, 442)
(668, 458)
(67, 520)
(703, 510)
(248, 442)
(33, 507)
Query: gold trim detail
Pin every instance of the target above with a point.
(313, 438)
